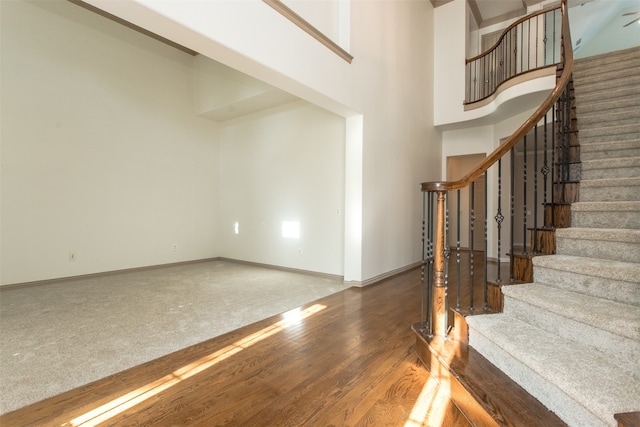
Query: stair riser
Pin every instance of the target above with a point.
(612, 172)
(609, 154)
(609, 194)
(632, 130)
(615, 290)
(605, 68)
(625, 351)
(604, 219)
(604, 104)
(587, 85)
(539, 387)
(616, 251)
(613, 95)
(614, 118)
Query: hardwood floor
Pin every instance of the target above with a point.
(345, 360)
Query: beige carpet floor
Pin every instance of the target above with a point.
(56, 337)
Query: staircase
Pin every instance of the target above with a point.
(572, 337)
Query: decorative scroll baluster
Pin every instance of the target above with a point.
(485, 293)
(499, 217)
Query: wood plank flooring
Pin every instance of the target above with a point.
(345, 360)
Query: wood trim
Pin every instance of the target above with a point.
(525, 127)
(303, 24)
(379, 278)
(134, 27)
(101, 274)
(287, 269)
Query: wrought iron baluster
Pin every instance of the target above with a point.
(472, 219)
(458, 279)
(524, 195)
(536, 247)
(536, 53)
(545, 169)
(447, 255)
(512, 191)
(422, 265)
(553, 163)
(485, 282)
(544, 39)
(430, 269)
(499, 217)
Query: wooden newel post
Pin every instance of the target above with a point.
(439, 306)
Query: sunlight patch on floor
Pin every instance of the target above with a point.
(129, 400)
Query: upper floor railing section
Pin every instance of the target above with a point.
(531, 43)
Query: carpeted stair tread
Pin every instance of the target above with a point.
(580, 384)
(594, 84)
(610, 189)
(596, 61)
(611, 130)
(613, 93)
(625, 167)
(605, 243)
(618, 214)
(605, 104)
(611, 149)
(600, 234)
(619, 206)
(612, 270)
(611, 316)
(613, 280)
(596, 70)
(614, 116)
(608, 326)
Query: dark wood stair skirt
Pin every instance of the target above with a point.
(495, 298)
(628, 419)
(557, 214)
(523, 266)
(543, 240)
(484, 394)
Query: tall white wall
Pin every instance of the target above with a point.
(388, 84)
(102, 154)
(284, 164)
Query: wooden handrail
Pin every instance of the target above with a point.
(506, 30)
(526, 126)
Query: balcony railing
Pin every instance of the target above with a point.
(528, 44)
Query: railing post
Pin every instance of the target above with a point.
(439, 301)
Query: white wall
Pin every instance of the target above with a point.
(284, 164)
(102, 154)
(389, 84)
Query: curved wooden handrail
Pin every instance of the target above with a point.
(506, 30)
(525, 127)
